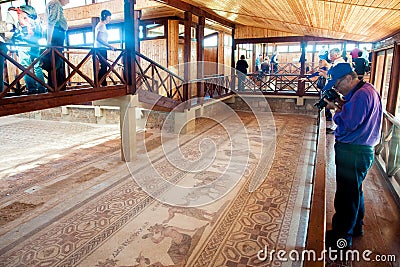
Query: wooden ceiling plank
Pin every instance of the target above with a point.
(349, 19)
(196, 11)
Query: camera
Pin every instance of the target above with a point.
(330, 95)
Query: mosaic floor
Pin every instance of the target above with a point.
(81, 206)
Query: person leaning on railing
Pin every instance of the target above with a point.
(3, 49)
(323, 67)
(56, 27)
(358, 117)
(27, 31)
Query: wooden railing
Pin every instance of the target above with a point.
(217, 85)
(81, 83)
(282, 84)
(152, 77)
(317, 224)
(82, 70)
(388, 150)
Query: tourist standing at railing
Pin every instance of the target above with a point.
(358, 121)
(101, 41)
(323, 54)
(241, 71)
(335, 56)
(3, 49)
(265, 69)
(274, 62)
(28, 30)
(56, 28)
(323, 67)
(354, 53)
(265, 66)
(258, 63)
(360, 65)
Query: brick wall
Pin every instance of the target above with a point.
(281, 105)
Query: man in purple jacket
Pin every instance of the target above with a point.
(358, 119)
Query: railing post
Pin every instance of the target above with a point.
(53, 76)
(394, 80)
(301, 84)
(130, 46)
(200, 56)
(187, 52)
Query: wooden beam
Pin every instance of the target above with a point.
(197, 11)
(200, 54)
(394, 81)
(186, 53)
(373, 67)
(155, 101)
(285, 39)
(129, 27)
(20, 104)
(173, 43)
(383, 76)
(301, 84)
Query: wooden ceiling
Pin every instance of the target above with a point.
(357, 20)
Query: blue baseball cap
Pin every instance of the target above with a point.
(335, 73)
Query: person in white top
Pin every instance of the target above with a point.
(335, 56)
(101, 41)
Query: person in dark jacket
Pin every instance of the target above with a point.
(241, 71)
(360, 64)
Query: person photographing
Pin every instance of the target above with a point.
(358, 119)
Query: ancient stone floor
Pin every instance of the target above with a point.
(67, 199)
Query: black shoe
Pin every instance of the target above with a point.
(330, 131)
(358, 231)
(334, 241)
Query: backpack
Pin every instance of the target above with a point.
(27, 30)
(321, 82)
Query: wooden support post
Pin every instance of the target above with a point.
(94, 21)
(137, 16)
(173, 43)
(344, 45)
(394, 80)
(253, 58)
(380, 89)
(200, 55)
(221, 52)
(129, 26)
(313, 54)
(373, 67)
(233, 72)
(128, 127)
(301, 84)
(186, 54)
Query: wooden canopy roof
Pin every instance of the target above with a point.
(357, 20)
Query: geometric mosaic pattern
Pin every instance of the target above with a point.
(120, 225)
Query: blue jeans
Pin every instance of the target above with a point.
(103, 65)
(32, 85)
(3, 49)
(352, 164)
(58, 40)
(241, 80)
